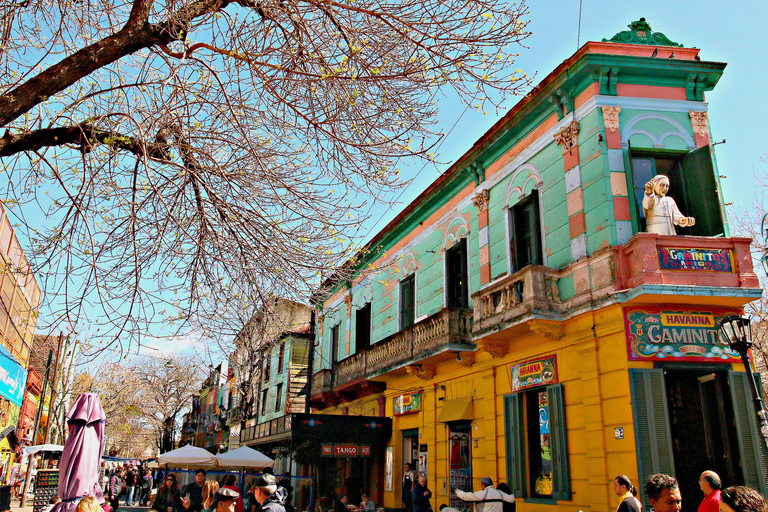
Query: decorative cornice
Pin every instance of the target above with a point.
(495, 348)
(480, 200)
(611, 118)
(700, 122)
(465, 359)
(568, 136)
(422, 371)
(640, 33)
(549, 330)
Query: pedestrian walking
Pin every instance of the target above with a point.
(742, 499)
(664, 493)
(409, 478)
(709, 483)
(488, 498)
(420, 495)
(626, 492)
(130, 487)
(265, 491)
(113, 494)
(146, 488)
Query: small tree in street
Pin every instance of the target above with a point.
(182, 159)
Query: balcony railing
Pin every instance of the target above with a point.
(448, 329)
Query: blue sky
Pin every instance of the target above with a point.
(730, 33)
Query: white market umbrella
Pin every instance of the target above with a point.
(187, 456)
(244, 457)
(44, 448)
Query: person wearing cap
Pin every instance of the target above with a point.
(488, 498)
(268, 494)
(223, 501)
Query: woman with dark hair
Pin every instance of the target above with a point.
(505, 505)
(168, 495)
(230, 482)
(742, 499)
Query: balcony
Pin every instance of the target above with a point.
(649, 268)
(430, 339)
(234, 415)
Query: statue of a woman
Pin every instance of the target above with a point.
(661, 212)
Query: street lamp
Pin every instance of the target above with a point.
(735, 330)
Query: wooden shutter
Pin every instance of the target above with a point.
(751, 446)
(561, 473)
(458, 296)
(653, 441)
(514, 439)
(701, 191)
(407, 302)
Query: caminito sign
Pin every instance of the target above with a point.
(713, 260)
(685, 334)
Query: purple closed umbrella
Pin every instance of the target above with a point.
(81, 459)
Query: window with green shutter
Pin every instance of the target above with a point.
(754, 458)
(535, 419)
(652, 438)
(692, 184)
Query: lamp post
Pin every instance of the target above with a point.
(735, 330)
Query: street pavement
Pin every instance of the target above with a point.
(28, 508)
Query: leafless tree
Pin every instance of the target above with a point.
(178, 157)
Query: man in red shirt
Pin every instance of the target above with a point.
(710, 484)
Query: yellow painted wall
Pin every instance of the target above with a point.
(592, 364)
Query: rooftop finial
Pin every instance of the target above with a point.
(640, 33)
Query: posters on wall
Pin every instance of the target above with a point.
(389, 468)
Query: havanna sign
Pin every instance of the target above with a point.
(679, 334)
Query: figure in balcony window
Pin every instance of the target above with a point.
(661, 212)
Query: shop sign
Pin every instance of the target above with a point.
(713, 260)
(683, 334)
(13, 377)
(405, 404)
(539, 372)
(345, 450)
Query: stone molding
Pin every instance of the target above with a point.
(480, 200)
(549, 330)
(422, 371)
(700, 122)
(611, 118)
(568, 136)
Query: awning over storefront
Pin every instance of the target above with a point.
(13, 377)
(456, 410)
(333, 428)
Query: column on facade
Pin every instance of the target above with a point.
(480, 200)
(567, 139)
(348, 330)
(619, 191)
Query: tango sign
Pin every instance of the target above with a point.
(713, 260)
(345, 450)
(654, 333)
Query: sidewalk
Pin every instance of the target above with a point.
(28, 508)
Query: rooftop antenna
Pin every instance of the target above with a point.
(578, 35)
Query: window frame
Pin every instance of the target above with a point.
(363, 336)
(278, 396)
(402, 320)
(459, 251)
(334, 334)
(533, 201)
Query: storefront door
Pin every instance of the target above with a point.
(700, 421)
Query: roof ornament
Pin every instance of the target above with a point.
(640, 33)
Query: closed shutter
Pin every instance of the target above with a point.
(514, 438)
(751, 446)
(701, 191)
(653, 441)
(561, 474)
(407, 302)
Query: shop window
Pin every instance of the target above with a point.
(407, 301)
(460, 459)
(280, 358)
(692, 185)
(363, 328)
(278, 397)
(456, 275)
(335, 343)
(537, 450)
(525, 232)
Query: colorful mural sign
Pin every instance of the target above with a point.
(713, 260)
(684, 334)
(405, 404)
(13, 377)
(539, 372)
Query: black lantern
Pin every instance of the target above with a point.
(735, 330)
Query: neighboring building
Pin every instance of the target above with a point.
(516, 322)
(211, 430)
(18, 318)
(277, 340)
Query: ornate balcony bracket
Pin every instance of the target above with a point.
(549, 330)
(422, 371)
(465, 359)
(495, 348)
